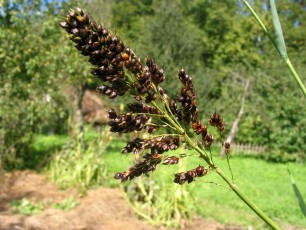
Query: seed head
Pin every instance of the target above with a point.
(227, 147)
(171, 160)
(216, 120)
(189, 176)
(123, 73)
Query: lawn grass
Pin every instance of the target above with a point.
(42, 148)
(266, 183)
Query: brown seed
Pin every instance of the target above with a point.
(125, 57)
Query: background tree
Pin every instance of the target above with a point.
(25, 107)
(33, 77)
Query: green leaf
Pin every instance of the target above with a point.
(280, 42)
(298, 194)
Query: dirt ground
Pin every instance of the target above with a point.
(101, 208)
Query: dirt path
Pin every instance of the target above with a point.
(101, 208)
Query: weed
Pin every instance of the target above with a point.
(67, 204)
(26, 207)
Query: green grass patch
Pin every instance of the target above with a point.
(47, 143)
(42, 148)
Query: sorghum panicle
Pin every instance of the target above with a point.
(122, 72)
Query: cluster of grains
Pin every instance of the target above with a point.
(122, 73)
(157, 145)
(189, 176)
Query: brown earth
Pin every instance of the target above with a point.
(101, 208)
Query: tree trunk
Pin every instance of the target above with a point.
(235, 125)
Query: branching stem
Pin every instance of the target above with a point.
(233, 186)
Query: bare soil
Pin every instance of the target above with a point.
(101, 208)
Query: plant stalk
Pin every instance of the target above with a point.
(243, 197)
(296, 76)
(247, 201)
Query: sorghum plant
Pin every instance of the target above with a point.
(176, 119)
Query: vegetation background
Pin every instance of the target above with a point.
(43, 78)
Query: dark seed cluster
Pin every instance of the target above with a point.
(216, 120)
(208, 139)
(227, 147)
(189, 176)
(157, 145)
(147, 164)
(199, 128)
(171, 160)
(157, 75)
(150, 75)
(131, 61)
(151, 128)
(187, 97)
(126, 123)
(142, 108)
(105, 51)
(174, 110)
(121, 71)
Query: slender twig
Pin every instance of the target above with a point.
(229, 166)
(217, 184)
(296, 76)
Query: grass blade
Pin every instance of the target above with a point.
(280, 41)
(298, 194)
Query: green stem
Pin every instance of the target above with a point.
(296, 76)
(229, 166)
(243, 197)
(166, 105)
(246, 200)
(205, 157)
